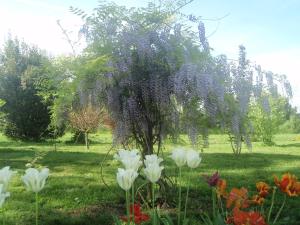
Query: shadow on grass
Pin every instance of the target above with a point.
(297, 145)
(227, 161)
(18, 158)
(93, 215)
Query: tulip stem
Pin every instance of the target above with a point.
(132, 193)
(3, 216)
(213, 191)
(179, 198)
(187, 194)
(272, 204)
(278, 213)
(127, 207)
(36, 208)
(153, 203)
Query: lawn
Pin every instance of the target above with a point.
(76, 194)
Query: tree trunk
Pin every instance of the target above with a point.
(54, 139)
(86, 135)
(236, 145)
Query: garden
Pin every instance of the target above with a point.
(146, 125)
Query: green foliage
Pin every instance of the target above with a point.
(72, 88)
(292, 125)
(27, 116)
(266, 122)
(2, 115)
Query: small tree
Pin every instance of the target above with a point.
(86, 120)
(267, 115)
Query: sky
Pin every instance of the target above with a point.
(269, 29)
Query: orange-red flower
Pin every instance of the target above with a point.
(238, 198)
(257, 199)
(247, 218)
(221, 188)
(263, 189)
(139, 217)
(229, 220)
(288, 184)
(297, 187)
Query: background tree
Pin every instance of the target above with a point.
(26, 115)
(292, 125)
(267, 116)
(86, 120)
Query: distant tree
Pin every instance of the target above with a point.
(27, 116)
(86, 120)
(292, 124)
(267, 115)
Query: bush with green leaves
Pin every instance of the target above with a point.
(22, 68)
(267, 116)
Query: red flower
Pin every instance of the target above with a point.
(247, 218)
(257, 199)
(221, 188)
(238, 198)
(212, 180)
(288, 184)
(263, 189)
(139, 217)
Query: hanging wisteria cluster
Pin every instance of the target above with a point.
(163, 79)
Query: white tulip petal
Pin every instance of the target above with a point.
(152, 159)
(152, 168)
(130, 159)
(126, 177)
(5, 176)
(193, 158)
(35, 180)
(3, 195)
(179, 156)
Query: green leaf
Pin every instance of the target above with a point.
(166, 220)
(116, 220)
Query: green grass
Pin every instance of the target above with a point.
(76, 195)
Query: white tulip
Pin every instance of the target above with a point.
(35, 180)
(122, 153)
(28, 165)
(5, 177)
(125, 178)
(153, 172)
(3, 195)
(152, 159)
(179, 156)
(193, 158)
(130, 159)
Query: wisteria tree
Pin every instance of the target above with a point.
(163, 78)
(248, 84)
